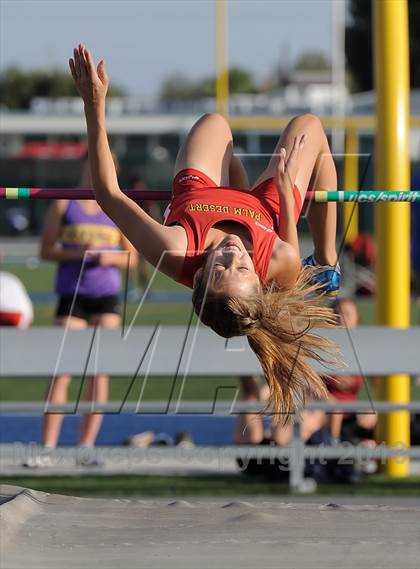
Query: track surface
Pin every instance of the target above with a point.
(40, 530)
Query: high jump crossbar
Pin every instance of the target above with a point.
(320, 196)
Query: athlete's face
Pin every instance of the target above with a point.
(230, 269)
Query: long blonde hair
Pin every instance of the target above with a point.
(279, 325)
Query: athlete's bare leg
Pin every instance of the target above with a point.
(97, 391)
(97, 387)
(316, 171)
(208, 148)
(249, 428)
(311, 422)
(238, 178)
(57, 392)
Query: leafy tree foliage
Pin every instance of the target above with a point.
(359, 44)
(313, 61)
(179, 87)
(18, 87)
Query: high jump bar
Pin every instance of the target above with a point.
(320, 196)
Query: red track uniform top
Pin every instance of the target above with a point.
(198, 204)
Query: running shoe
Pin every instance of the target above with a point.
(327, 275)
(41, 460)
(184, 440)
(86, 457)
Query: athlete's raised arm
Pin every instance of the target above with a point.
(285, 179)
(146, 234)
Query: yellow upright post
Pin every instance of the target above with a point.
(391, 62)
(351, 182)
(222, 72)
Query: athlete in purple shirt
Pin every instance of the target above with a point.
(90, 252)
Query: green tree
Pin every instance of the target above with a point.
(18, 87)
(313, 61)
(179, 88)
(205, 88)
(359, 44)
(241, 81)
(176, 87)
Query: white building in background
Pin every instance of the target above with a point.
(133, 118)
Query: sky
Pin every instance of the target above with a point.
(144, 41)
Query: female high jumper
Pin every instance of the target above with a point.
(237, 249)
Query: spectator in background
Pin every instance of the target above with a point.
(15, 305)
(415, 275)
(90, 252)
(362, 251)
(316, 426)
(250, 429)
(415, 237)
(152, 208)
(348, 387)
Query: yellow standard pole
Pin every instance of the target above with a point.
(351, 182)
(393, 220)
(222, 73)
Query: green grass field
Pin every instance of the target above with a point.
(39, 278)
(171, 486)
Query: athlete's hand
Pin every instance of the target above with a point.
(87, 252)
(287, 167)
(91, 82)
(106, 259)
